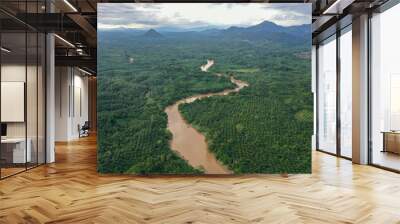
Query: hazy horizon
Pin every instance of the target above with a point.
(199, 16)
(178, 29)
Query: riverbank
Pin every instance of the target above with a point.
(189, 143)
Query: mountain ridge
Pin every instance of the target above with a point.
(266, 27)
(152, 33)
(263, 31)
(263, 24)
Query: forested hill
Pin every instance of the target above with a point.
(152, 34)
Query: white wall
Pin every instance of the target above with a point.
(62, 82)
(80, 109)
(314, 91)
(33, 126)
(9, 73)
(13, 101)
(17, 73)
(71, 94)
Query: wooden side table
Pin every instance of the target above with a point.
(391, 141)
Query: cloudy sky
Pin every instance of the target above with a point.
(199, 15)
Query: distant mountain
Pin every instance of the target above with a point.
(265, 30)
(268, 30)
(266, 26)
(152, 34)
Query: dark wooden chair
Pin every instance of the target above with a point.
(84, 130)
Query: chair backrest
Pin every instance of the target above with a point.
(86, 125)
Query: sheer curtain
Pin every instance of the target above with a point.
(327, 95)
(385, 83)
(346, 92)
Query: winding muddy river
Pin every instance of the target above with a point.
(190, 144)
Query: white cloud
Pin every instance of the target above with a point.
(124, 26)
(192, 15)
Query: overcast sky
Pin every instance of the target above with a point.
(199, 15)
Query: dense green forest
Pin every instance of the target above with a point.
(265, 128)
(132, 97)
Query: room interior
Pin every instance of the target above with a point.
(25, 66)
(22, 102)
(336, 84)
(48, 171)
(385, 90)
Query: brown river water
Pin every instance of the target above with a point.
(189, 143)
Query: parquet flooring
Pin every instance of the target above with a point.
(70, 191)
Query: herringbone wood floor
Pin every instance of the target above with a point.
(70, 191)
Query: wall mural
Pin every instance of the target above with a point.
(204, 88)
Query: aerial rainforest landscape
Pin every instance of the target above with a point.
(231, 100)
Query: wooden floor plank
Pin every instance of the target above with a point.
(71, 191)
